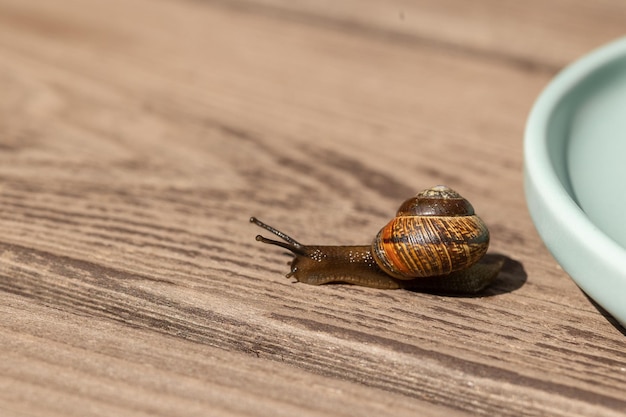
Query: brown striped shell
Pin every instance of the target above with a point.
(434, 233)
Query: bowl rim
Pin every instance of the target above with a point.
(552, 208)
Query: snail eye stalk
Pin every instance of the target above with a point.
(289, 243)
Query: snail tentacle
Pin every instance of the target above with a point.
(289, 243)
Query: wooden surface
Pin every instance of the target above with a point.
(138, 136)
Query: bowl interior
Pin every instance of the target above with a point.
(593, 164)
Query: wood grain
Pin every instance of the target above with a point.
(137, 137)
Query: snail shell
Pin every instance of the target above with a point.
(434, 233)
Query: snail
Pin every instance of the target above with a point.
(434, 243)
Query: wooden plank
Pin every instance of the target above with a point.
(111, 368)
(137, 137)
(535, 34)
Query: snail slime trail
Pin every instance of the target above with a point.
(434, 243)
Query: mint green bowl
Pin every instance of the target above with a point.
(575, 173)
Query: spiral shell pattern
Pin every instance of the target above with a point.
(424, 245)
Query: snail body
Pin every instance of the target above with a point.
(435, 242)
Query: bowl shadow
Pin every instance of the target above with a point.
(612, 320)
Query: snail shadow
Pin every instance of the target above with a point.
(512, 276)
